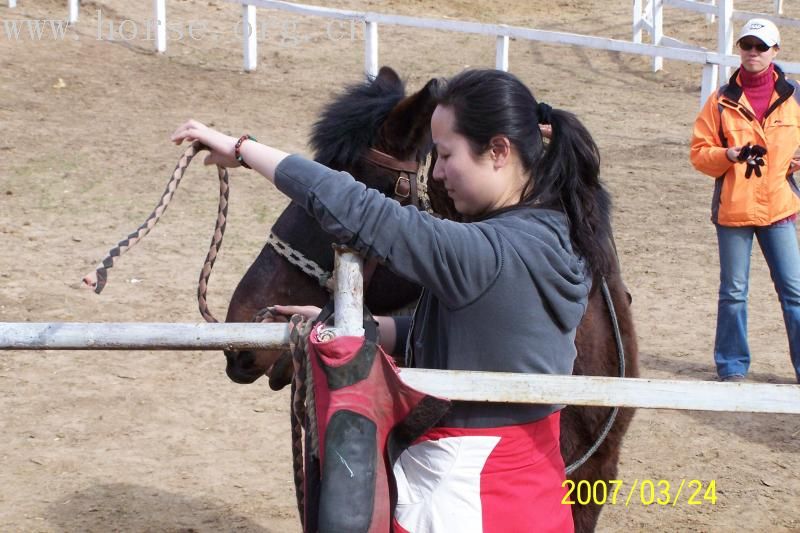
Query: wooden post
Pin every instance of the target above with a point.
(371, 48)
(724, 34)
(710, 82)
(249, 37)
(658, 31)
(637, 21)
(501, 56)
(160, 15)
(72, 17)
(348, 297)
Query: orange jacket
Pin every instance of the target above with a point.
(728, 120)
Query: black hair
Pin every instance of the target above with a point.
(563, 173)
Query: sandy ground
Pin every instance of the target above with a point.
(162, 441)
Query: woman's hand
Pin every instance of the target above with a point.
(308, 312)
(221, 145)
(732, 153)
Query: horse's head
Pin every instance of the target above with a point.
(380, 136)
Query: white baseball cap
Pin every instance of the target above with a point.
(762, 29)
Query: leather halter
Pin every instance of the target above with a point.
(405, 190)
(410, 188)
(405, 187)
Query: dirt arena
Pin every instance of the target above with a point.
(163, 441)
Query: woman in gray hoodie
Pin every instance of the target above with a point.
(503, 292)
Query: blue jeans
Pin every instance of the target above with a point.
(778, 243)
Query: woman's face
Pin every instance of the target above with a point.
(753, 60)
(476, 184)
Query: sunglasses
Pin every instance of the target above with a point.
(749, 45)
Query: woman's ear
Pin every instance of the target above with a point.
(499, 150)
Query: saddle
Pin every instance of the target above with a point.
(362, 416)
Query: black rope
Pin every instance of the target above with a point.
(621, 354)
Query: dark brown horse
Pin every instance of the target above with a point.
(378, 115)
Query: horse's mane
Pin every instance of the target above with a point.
(351, 124)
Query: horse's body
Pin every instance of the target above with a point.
(377, 115)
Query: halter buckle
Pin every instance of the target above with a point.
(402, 187)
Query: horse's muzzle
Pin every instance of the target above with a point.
(241, 368)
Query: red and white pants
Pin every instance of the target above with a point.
(488, 480)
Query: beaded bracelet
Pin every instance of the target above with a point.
(238, 147)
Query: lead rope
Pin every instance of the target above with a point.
(621, 354)
(301, 407)
(99, 277)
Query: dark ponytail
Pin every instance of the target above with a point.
(567, 178)
(563, 173)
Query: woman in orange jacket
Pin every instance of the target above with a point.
(746, 137)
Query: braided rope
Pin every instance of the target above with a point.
(306, 265)
(99, 277)
(302, 412)
(214, 247)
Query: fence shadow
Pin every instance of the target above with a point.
(127, 507)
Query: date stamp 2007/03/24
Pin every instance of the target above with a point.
(640, 492)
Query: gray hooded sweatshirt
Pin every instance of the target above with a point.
(504, 294)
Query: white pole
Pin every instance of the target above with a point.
(725, 34)
(658, 31)
(637, 21)
(141, 336)
(160, 12)
(348, 297)
(710, 17)
(249, 37)
(710, 82)
(72, 17)
(371, 48)
(456, 385)
(501, 55)
(779, 7)
(605, 391)
(12, 3)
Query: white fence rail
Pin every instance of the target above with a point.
(605, 391)
(663, 47)
(140, 336)
(648, 18)
(456, 385)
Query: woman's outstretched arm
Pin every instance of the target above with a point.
(261, 158)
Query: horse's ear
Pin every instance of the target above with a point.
(409, 122)
(388, 75)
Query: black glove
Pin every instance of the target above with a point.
(754, 157)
